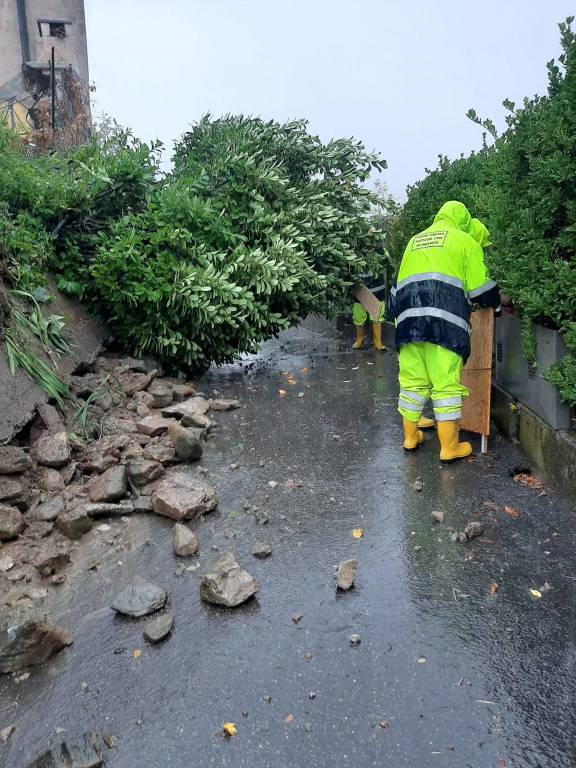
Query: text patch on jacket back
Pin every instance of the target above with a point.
(429, 240)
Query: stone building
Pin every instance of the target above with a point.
(29, 29)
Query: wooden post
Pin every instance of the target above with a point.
(477, 376)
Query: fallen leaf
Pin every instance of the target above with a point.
(511, 512)
(347, 381)
(383, 723)
(357, 533)
(137, 653)
(356, 368)
(529, 481)
(291, 380)
(300, 395)
(493, 588)
(229, 730)
(282, 392)
(421, 659)
(303, 370)
(291, 484)
(289, 719)
(251, 389)
(535, 593)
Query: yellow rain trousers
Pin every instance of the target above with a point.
(429, 370)
(359, 314)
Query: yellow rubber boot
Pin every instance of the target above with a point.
(450, 448)
(377, 337)
(426, 423)
(413, 438)
(359, 337)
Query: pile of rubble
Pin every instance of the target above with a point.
(53, 489)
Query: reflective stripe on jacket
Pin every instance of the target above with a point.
(441, 274)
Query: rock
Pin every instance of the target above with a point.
(224, 405)
(460, 537)
(85, 755)
(418, 485)
(162, 395)
(261, 517)
(11, 523)
(52, 450)
(181, 497)
(83, 386)
(110, 486)
(140, 598)
(152, 426)
(112, 425)
(182, 392)
(346, 573)
(184, 541)
(437, 516)
(187, 442)
(159, 629)
(50, 417)
(67, 473)
(160, 449)
(143, 471)
(134, 451)
(13, 460)
(355, 640)
(27, 639)
(39, 530)
(103, 509)
(474, 529)
(187, 408)
(132, 383)
(297, 617)
(15, 490)
(49, 511)
(97, 462)
(74, 523)
(5, 733)
(143, 504)
(227, 584)
(50, 561)
(197, 420)
(261, 550)
(50, 480)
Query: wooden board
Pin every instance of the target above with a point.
(368, 301)
(477, 374)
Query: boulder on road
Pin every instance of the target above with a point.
(191, 407)
(187, 442)
(52, 450)
(184, 541)
(74, 523)
(27, 639)
(224, 405)
(181, 497)
(227, 584)
(11, 523)
(112, 485)
(346, 573)
(49, 510)
(159, 629)
(140, 598)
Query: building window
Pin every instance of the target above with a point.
(52, 28)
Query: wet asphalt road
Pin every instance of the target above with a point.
(457, 676)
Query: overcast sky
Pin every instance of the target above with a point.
(400, 75)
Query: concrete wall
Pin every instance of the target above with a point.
(11, 51)
(70, 50)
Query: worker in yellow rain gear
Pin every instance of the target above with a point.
(441, 274)
(360, 315)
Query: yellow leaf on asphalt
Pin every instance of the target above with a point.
(137, 653)
(282, 392)
(535, 593)
(229, 730)
(303, 370)
(357, 533)
(289, 719)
